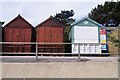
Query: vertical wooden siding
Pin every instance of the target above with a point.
(17, 35)
(50, 34)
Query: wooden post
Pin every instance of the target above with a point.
(78, 51)
(36, 51)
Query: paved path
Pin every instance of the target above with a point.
(90, 67)
(60, 70)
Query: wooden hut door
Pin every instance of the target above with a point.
(8, 35)
(41, 38)
(27, 38)
(47, 34)
(53, 32)
(15, 38)
(47, 38)
(54, 39)
(8, 38)
(60, 34)
(20, 39)
(41, 34)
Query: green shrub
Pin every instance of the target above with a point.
(117, 45)
(116, 41)
(111, 38)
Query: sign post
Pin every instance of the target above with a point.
(36, 51)
(78, 52)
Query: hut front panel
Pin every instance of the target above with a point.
(7, 35)
(60, 34)
(53, 34)
(40, 34)
(17, 35)
(47, 34)
(50, 34)
(27, 35)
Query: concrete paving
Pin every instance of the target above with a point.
(59, 67)
(60, 70)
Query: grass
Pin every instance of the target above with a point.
(113, 41)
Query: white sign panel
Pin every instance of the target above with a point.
(86, 34)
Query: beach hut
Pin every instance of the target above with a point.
(86, 32)
(50, 31)
(18, 30)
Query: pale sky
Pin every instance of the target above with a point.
(36, 11)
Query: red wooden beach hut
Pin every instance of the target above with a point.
(18, 30)
(50, 31)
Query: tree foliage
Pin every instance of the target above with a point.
(65, 17)
(107, 14)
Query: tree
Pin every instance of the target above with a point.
(107, 14)
(65, 17)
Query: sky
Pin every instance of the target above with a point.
(36, 11)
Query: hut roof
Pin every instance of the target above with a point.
(51, 22)
(19, 22)
(86, 18)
